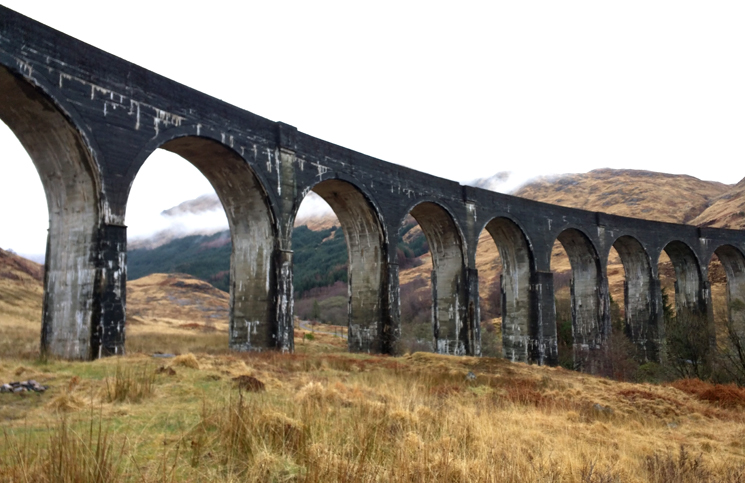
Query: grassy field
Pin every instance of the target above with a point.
(329, 416)
(326, 415)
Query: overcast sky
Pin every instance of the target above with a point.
(466, 91)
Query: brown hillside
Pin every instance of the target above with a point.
(639, 194)
(726, 211)
(21, 295)
(175, 302)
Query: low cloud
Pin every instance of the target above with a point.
(203, 215)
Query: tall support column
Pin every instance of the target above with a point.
(111, 280)
(284, 296)
(284, 302)
(543, 339)
(707, 308)
(71, 272)
(473, 314)
(657, 346)
(598, 348)
(391, 332)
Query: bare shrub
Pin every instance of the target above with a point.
(688, 343)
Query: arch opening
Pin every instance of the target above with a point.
(639, 322)
(688, 332)
(586, 304)
(451, 331)
(250, 274)
(70, 316)
(367, 327)
(415, 288)
(320, 266)
(505, 286)
(23, 240)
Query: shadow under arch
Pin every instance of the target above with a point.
(641, 322)
(253, 259)
(517, 266)
(733, 261)
(71, 315)
(452, 331)
(368, 323)
(588, 301)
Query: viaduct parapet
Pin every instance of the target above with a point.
(89, 120)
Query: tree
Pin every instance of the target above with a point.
(316, 312)
(732, 352)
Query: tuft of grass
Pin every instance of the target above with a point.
(687, 468)
(130, 384)
(186, 360)
(70, 453)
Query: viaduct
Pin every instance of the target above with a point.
(89, 120)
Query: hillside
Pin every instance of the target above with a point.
(639, 194)
(319, 256)
(21, 297)
(726, 210)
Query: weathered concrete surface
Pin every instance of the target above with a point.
(90, 120)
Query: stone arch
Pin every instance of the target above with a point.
(365, 237)
(451, 328)
(733, 261)
(253, 259)
(517, 266)
(689, 329)
(641, 324)
(688, 283)
(589, 329)
(69, 174)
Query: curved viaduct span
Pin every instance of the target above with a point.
(89, 120)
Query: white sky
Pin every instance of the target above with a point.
(533, 87)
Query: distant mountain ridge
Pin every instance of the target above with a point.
(726, 211)
(635, 193)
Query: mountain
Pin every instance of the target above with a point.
(726, 210)
(626, 192)
(203, 256)
(174, 302)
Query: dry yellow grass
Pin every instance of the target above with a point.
(347, 417)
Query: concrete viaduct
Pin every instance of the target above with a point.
(89, 121)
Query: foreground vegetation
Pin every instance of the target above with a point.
(326, 415)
